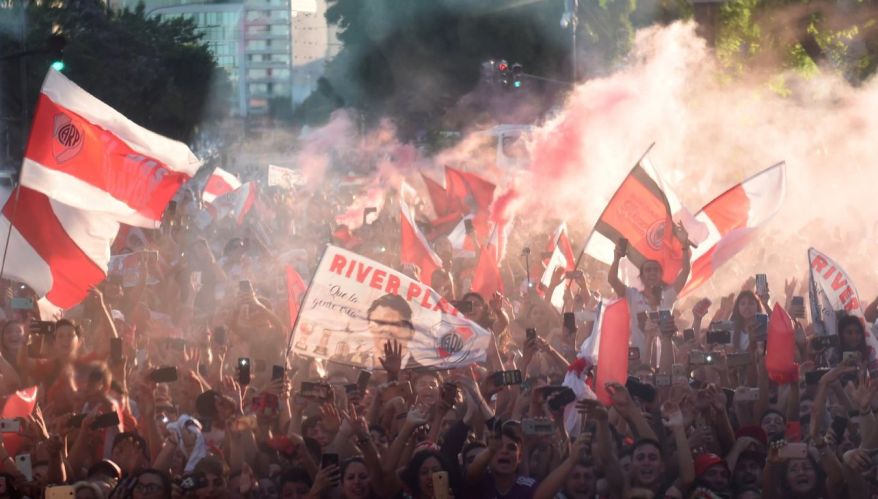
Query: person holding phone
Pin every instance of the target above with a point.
(417, 476)
(655, 295)
(744, 311)
(852, 338)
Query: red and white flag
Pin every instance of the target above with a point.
(295, 292)
(414, 247)
(643, 211)
(611, 346)
(468, 192)
(233, 204)
(220, 183)
(487, 279)
(732, 220)
(85, 154)
(59, 251)
(438, 197)
(562, 257)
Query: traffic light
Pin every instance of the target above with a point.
(503, 73)
(517, 71)
(55, 48)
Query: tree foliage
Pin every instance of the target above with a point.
(157, 73)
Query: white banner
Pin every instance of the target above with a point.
(284, 177)
(832, 290)
(355, 304)
(130, 267)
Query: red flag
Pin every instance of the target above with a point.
(613, 348)
(732, 220)
(470, 192)
(780, 348)
(295, 291)
(438, 197)
(59, 251)
(640, 212)
(19, 405)
(220, 182)
(85, 154)
(486, 277)
(414, 248)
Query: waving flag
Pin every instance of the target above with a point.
(438, 197)
(832, 291)
(295, 291)
(470, 192)
(642, 210)
(612, 347)
(59, 251)
(85, 154)
(562, 257)
(486, 277)
(233, 204)
(414, 247)
(732, 220)
(780, 348)
(220, 183)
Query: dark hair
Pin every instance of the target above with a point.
(851, 320)
(643, 264)
(77, 329)
(295, 475)
(394, 302)
(410, 475)
(350, 461)
(310, 422)
(167, 488)
(647, 441)
(818, 471)
(134, 437)
(736, 316)
(485, 320)
(3, 332)
(205, 404)
(475, 444)
(211, 465)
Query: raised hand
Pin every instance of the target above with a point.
(417, 416)
(672, 416)
(392, 360)
(620, 398)
(331, 419)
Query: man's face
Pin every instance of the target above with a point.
(647, 465)
(748, 473)
(386, 324)
(506, 460)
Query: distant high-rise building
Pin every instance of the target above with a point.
(314, 44)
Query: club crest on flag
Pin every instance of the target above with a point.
(68, 139)
(655, 235)
(451, 338)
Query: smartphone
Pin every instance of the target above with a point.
(564, 397)
(662, 380)
(164, 375)
(468, 225)
(688, 335)
(537, 427)
(507, 378)
(641, 390)
(352, 391)
(813, 377)
(194, 482)
(739, 359)
(60, 492)
(22, 303)
(42, 327)
(793, 450)
(824, 342)
(623, 245)
(839, 425)
(363, 380)
(10, 426)
(530, 333)
(697, 358)
(115, 349)
(449, 393)
(243, 371)
(570, 322)
(319, 391)
(277, 373)
(106, 420)
(245, 287)
(761, 284)
(463, 306)
(24, 465)
(75, 421)
(748, 395)
(761, 327)
(633, 353)
(851, 357)
(797, 307)
(666, 322)
(575, 274)
(440, 485)
(327, 460)
(719, 337)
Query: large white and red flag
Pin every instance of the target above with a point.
(643, 211)
(235, 204)
(732, 220)
(85, 154)
(468, 192)
(562, 257)
(59, 251)
(414, 247)
(219, 183)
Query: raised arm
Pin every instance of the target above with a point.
(552, 484)
(683, 276)
(626, 407)
(613, 275)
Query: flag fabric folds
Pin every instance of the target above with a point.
(295, 291)
(58, 250)
(780, 348)
(219, 183)
(732, 220)
(562, 257)
(414, 247)
(613, 347)
(85, 154)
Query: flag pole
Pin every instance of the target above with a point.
(15, 186)
(581, 253)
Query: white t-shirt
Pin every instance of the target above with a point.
(637, 304)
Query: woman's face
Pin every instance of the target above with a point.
(355, 481)
(773, 424)
(801, 476)
(148, 486)
(14, 336)
(651, 275)
(851, 336)
(717, 478)
(427, 389)
(66, 342)
(747, 308)
(425, 476)
(646, 465)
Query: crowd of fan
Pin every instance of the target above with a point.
(141, 392)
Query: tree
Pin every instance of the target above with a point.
(157, 73)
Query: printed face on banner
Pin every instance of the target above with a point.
(355, 305)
